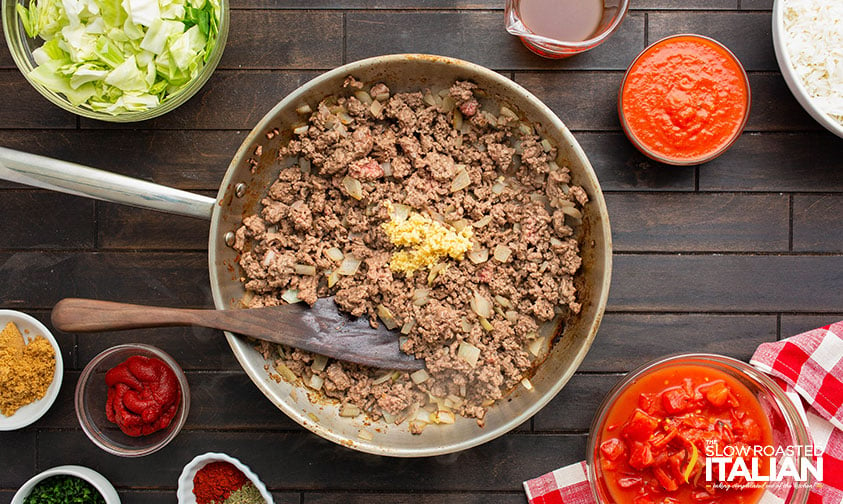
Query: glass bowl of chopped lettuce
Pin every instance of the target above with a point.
(116, 60)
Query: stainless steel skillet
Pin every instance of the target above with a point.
(245, 183)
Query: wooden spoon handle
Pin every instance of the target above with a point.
(90, 315)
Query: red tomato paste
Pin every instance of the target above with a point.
(143, 395)
(652, 448)
(684, 99)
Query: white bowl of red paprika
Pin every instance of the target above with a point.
(217, 478)
(663, 433)
(684, 100)
(131, 400)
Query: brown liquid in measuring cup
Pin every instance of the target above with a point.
(564, 20)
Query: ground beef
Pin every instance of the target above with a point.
(361, 150)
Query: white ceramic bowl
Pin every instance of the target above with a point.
(185, 490)
(792, 79)
(30, 328)
(94, 478)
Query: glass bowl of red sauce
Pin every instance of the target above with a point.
(562, 28)
(698, 429)
(132, 400)
(684, 100)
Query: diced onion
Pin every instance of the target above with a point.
(365, 435)
(304, 269)
(552, 165)
(503, 301)
(381, 96)
(511, 316)
(419, 376)
(319, 363)
(316, 382)
(421, 297)
(333, 278)
(461, 181)
(480, 305)
(429, 99)
(499, 187)
(286, 373)
(478, 256)
(387, 169)
(573, 212)
(349, 266)
(443, 417)
(483, 221)
(546, 146)
(363, 96)
(388, 418)
(353, 187)
(304, 109)
(434, 272)
(345, 118)
(448, 104)
(465, 325)
(375, 108)
(349, 411)
(334, 254)
(382, 379)
(386, 316)
(457, 120)
(400, 212)
(507, 112)
(301, 130)
(527, 384)
(408, 326)
(291, 296)
(459, 224)
(468, 353)
(486, 325)
(536, 347)
(502, 253)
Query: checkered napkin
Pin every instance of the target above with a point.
(809, 367)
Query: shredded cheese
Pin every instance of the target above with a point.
(813, 36)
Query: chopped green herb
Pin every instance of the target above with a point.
(64, 490)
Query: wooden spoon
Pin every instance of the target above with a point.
(322, 328)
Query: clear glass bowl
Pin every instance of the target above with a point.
(92, 393)
(21, 47)
(613, 13)
(787, 425)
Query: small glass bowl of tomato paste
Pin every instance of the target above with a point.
(684, 100)
(698, 428)
(131, 400)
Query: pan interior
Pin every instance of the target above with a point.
(248, 178)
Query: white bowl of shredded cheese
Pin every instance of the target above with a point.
(808, 39)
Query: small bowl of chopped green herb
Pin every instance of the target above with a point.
(113, 60)
(69, 483)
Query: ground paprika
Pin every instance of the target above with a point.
(215, 482)
(143, 395)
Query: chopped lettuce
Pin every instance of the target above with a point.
(118, 56)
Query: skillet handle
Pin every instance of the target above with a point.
(72, 178)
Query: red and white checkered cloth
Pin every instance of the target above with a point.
(809, 367)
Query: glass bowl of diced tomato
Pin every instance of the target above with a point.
(699, 429)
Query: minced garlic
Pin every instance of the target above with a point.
(425, 241)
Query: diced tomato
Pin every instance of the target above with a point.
(661, 440)
(643, 499)
(717, 393)
(751, 430)
(665, 480)
(647, 402)
(641, 456)
(641, 426)
(612, 449)
(676, 400)
(630, 482)
(675, 462)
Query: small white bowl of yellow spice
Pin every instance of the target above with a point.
(30, 370)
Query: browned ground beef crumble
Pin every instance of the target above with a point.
(407, 148)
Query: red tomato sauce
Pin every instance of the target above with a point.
(652, 448)
(684, 99)
(143, 395)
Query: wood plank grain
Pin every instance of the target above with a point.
(808, 162)
(699, 222)
(6, 60)
(189, 160)
(774, 108)
(573, 409)
(478, 37)
(797, 324)
(374, 4)
(21, 106)
(756, 4)
(168, 496)
(583, 100)
(396, 498)
(193, 347)
(46, 220)
(122, 227)
(18, 446)
(746, 34)
(151, 278)
(622, 167)
(817, 226)
(310, 39)
(231, 99)
(628, 340)
(303, 461)
(726, 283)
(686, 4)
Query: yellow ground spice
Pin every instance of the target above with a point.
(26, 369)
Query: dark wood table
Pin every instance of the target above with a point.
(715, 258)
